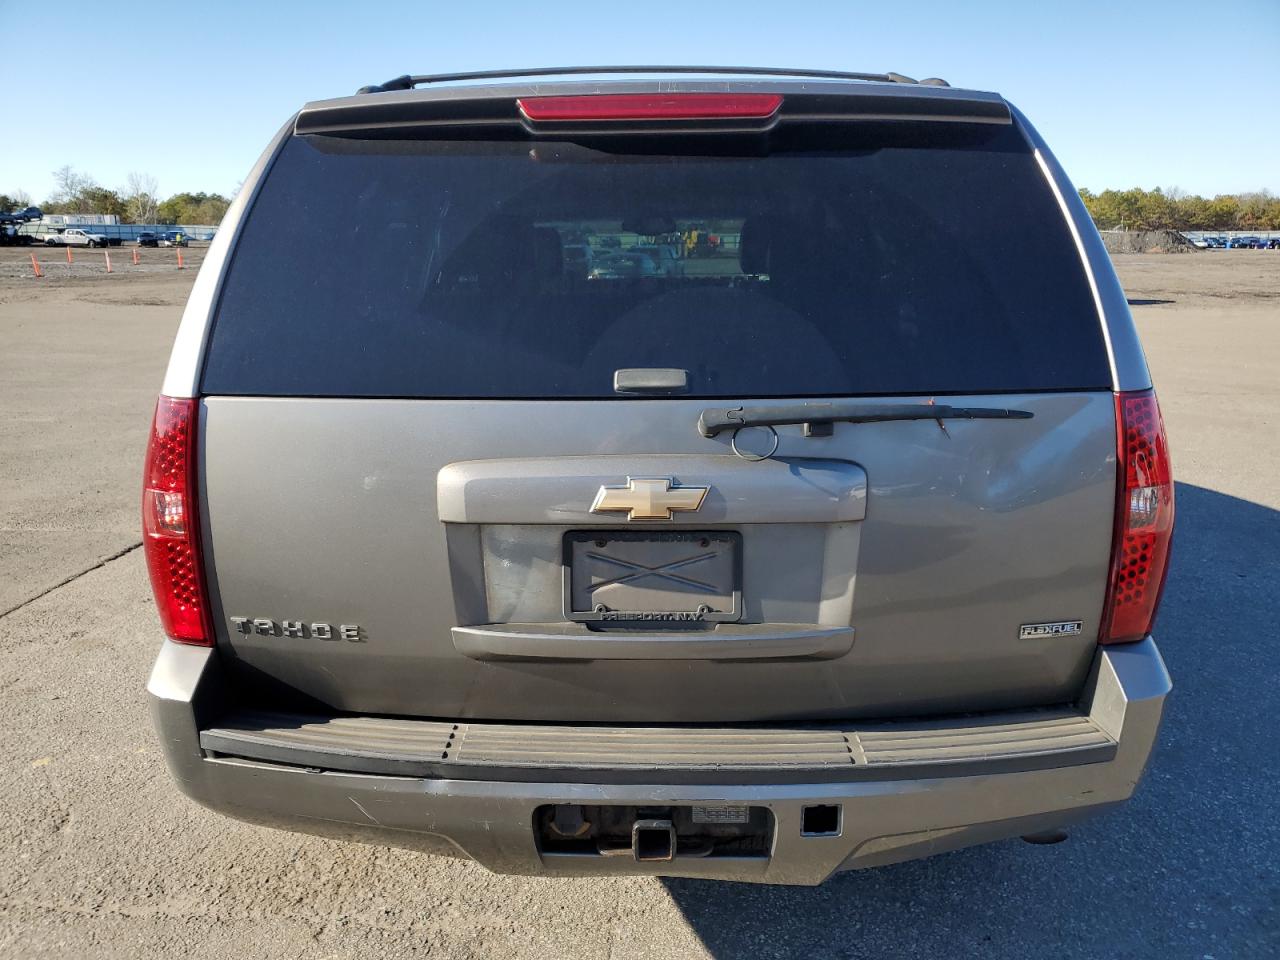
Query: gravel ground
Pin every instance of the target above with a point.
(106, 859)
(86, 262)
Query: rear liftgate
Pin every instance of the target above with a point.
(549, 534)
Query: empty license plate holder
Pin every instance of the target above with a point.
(643, 576)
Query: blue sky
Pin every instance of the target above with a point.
(1149, 94)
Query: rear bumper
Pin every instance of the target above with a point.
(883, 820)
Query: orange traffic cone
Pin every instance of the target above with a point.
(135, 256)
(180, 267)
(107, 254)
(35, 265)
(68, 254)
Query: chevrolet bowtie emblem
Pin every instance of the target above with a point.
(647, 498)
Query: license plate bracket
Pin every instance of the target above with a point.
(668, 577)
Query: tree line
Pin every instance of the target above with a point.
(1171, 209)
(138, 201)
(1136, 209)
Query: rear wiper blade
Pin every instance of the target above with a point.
(714, 421)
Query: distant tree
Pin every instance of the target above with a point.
(97, 199)
(140, 197)
(1194, 213)
(18, 200)
(72, 191)
(171, 210)
(1174, 209)
(1258, 210)
(69, 182)
(1224, 213)
(211, 210)
(1154, 210)
(193, 208)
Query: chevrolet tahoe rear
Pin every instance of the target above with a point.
(836, 543)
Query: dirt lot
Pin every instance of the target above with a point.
(88, 263)
(105, 858)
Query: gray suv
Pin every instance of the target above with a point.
(837, 546)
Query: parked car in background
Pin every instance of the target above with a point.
(174, 238)
(75, 237)
(12, 224)
(148, 239)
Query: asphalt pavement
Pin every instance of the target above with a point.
(102, 857)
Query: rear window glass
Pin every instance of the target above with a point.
(882, 259)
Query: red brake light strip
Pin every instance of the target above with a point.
(651, 106)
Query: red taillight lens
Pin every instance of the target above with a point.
(1144, 520)
(651, 106)
(169, 523)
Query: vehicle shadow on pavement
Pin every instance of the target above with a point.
(1187, 868)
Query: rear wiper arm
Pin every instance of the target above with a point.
(715, 421)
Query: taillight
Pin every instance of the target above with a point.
(169, 523)
(651, 106)
(1144, 520)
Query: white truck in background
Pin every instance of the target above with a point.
(75, 237)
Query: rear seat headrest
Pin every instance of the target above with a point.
(755, 245)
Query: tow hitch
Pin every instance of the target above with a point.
(653, 840)
(657, 834)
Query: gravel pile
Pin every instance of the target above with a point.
(1146, 241)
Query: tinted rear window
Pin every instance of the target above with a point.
(907, 259)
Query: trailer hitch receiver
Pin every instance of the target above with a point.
(653, 840)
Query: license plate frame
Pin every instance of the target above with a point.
(722, 603)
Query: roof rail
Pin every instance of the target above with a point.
(408, 82)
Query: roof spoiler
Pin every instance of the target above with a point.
(491, 110)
